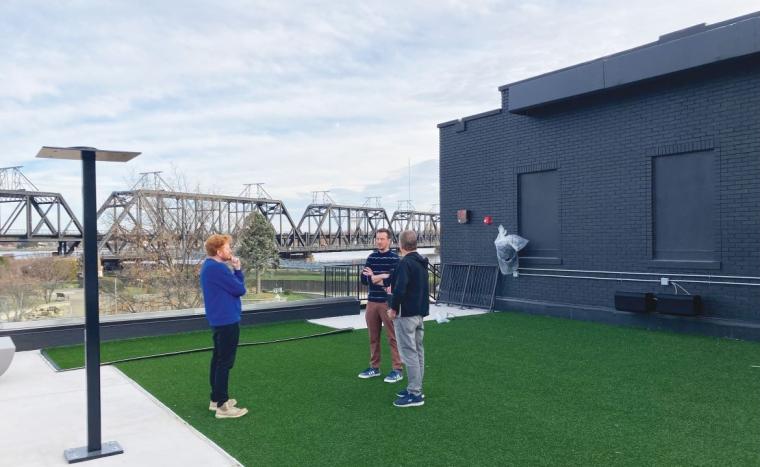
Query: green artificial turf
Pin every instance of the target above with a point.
(502, 389)
(73, 356)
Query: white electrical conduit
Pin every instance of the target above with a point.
(663, 274)
(657, 281)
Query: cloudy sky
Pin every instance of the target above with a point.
(301, 95)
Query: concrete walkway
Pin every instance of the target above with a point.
(44, 413)
(358, 322)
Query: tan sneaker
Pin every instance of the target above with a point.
(212, 405)
(229, 411)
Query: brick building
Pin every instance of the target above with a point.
(625, 172)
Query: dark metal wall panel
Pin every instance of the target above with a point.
(684, 190)
(539, 213)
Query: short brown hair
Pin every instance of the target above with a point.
(216, 242)
(385, 231)
(408, 240)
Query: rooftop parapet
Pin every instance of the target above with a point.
(681, 50)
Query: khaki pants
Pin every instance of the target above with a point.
(377, 317)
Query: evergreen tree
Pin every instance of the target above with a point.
(257, 248)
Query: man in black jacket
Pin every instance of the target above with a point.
(409, 305)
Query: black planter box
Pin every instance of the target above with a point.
(671, 304)
(638, 302)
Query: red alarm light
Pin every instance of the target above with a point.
(488, 220)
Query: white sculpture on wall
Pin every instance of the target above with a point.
(507, 247)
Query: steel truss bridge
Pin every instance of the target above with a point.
(426, 224)
(136, 222)
(133, 223)
(335, 227)
(28, 214)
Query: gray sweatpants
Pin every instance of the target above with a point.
(409, 333)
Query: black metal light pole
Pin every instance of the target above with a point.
(95, 448)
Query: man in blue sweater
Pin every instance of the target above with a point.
(222, 289)
(377, 274)
(409, 306)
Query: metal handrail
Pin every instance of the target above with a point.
(344, 280)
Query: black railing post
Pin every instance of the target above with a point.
(464, 289)
(358, 281)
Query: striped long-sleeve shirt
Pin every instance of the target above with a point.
(380, 263)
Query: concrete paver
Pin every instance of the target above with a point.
(44, 413)
(358, 322)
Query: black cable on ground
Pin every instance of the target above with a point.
(203, 349)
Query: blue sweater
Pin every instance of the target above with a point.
(222, 290)
(380, 263)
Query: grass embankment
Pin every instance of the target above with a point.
(284, 296)
(293, 275)
(502, 389)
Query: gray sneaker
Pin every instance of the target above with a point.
(212, 405)
(229, 411)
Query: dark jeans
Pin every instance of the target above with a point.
(225, 347)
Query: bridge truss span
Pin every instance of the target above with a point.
(426, 224)
(336, 227)
(28, 216)
(134, 221)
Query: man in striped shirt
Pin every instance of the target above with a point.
(377, 275)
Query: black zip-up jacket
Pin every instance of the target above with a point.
(410, 286)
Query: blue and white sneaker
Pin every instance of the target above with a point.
(394, 377)
(409, 401)
(370, 373)
(404, 393)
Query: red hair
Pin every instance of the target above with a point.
(216, 242)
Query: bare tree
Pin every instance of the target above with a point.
(51, 272)
(19, 288)
(155, 284)
(168, 245)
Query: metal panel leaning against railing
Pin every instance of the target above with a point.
(468, 285)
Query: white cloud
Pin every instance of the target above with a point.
(301, 95)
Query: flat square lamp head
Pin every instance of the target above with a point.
(75, 153)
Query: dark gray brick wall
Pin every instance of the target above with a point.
(602, 146)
